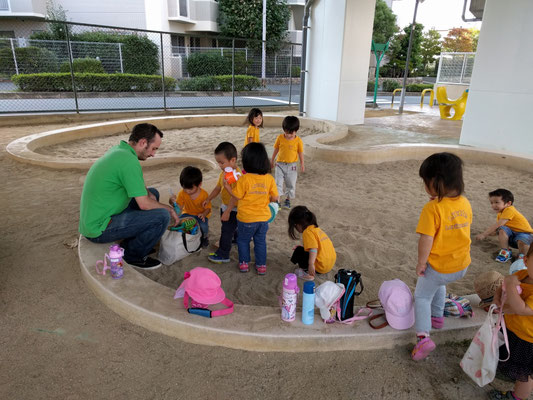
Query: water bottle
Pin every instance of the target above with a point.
(115, 260)
(308, 304)
(289, 295)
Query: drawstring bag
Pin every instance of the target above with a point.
(457, 306)
(327, 300)
(178, 244)
(349, 279)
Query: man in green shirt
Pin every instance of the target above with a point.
(116, 205)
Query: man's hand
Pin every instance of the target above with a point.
(175, 219)
(172, 200)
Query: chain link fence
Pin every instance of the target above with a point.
(63, 66)
(455, 68)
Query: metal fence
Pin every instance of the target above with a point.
(455, 68)
(82, 67)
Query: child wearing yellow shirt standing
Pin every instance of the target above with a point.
(191, 200)
(444, 244)
(290, 148)
(255, 119)
(513, 228)
(253, 191)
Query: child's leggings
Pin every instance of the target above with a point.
(429, 296)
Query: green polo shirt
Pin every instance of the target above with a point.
(110, 184)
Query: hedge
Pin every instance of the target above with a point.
(220, 83)
(89, 82)
(370, 86)
(389, 85)
(208, 64)
(91, 65)
(418, 87)
(29, 60)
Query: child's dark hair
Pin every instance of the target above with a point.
(443, 172)
(505, 194)
(255, 159)
(300, 215)
(190, 177)
(290, 124)
(254, 112)
(228, 149)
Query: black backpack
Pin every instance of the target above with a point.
(350, 279)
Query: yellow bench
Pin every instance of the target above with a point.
(446, 105)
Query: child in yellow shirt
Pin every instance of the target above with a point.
(255, 119)
(317, 255)
(513, 228)
(253, 191)
(191, 200)
(444, 244)
(290, 147)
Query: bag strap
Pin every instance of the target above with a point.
(206, 312)
(373, 317)
(357, 317)
(184, 238)
(500, 325)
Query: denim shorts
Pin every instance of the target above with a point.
(527, 238)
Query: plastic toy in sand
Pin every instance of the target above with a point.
(517, 266)
(187, 225)
(274, 208)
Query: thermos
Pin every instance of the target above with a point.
(231, 175)
(115, 262)
(289, 296)
(308, 304)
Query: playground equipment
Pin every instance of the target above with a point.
(379, 50)
(445, 104)
(431, 97)
(393, 94)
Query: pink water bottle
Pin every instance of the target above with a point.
(289, 296)
(115, 262)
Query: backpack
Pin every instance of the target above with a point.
(350, 279)
(457, 306)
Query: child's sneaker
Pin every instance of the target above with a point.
(287, 204)
(423, 348)
(437, 322)
(214, 258)
(243, 267)
(520, 256)
(503, 256)
(261, 269)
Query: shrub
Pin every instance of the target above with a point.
(90, 82)
(296, 70)
(83, 65)
(220, 83)
(389, 85)
(418, 87)
(370, 86)
(29, 60)
(200, 83)
(210, 63)
(241, 63)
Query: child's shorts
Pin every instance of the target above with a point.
(527, 238)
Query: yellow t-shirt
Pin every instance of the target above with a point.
(448, 221)
(288, 149)
(517, 222)
(254, 192)
(314, 238)
(190, 206)
(224, 195)
(522, 325)
(252, 132)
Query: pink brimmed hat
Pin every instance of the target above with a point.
(203, 285)
(397, 301)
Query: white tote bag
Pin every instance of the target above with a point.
(481, 359)
(176, 245)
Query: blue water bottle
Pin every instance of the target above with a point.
(308, 303)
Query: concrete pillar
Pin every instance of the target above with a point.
(338, 56)
(499, 112)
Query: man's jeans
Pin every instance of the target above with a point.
(245, 233)
(140, 229)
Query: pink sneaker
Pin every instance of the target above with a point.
(243, 267)
(261, 269)
(423, 348)
(437, 322)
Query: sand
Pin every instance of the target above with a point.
(59, 341)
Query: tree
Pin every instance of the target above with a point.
(398, 52)
(384, 23)
(244, 19)
(56, 12)
(430, 47)
(475, 37)
(458, 40)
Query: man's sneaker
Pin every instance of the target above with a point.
(503, 256)
(437, 322)
(146, 263)
(243, 267)
(214, 258)
(422, 349)
(287, 204)
(261, 269)
(205, 242)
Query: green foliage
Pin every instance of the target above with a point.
(241, 63)
(389, 85)
(296, 71)
(243, 19)
(370, 86)
(210, 63)
(83, 65)
(418, 87)
(219, 83)
(398, 52)
(384, 23)
(56, 12)
(29, 60)
(89, 82)
(430, 48)
(458, 40)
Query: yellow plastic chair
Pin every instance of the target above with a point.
(446, 105)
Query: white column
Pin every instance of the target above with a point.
(338, 58)
(499, 110)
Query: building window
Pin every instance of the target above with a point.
(7, 34)
(178, 44)
(214, 43)
(4, 5)
(195, 42)
(183, 8)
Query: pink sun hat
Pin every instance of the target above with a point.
(397, 301)
(203, 285)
